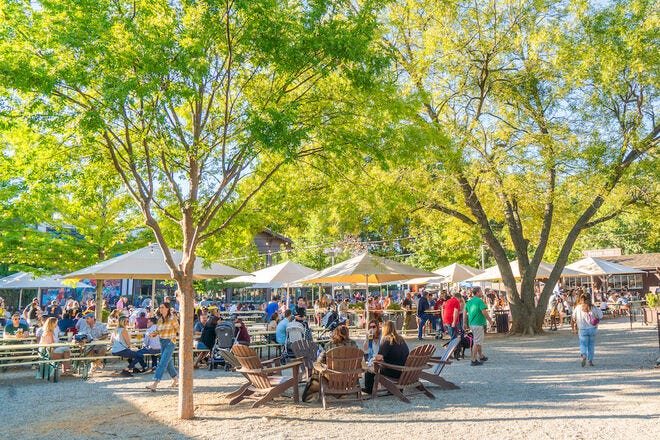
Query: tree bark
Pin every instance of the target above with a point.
(186, 295)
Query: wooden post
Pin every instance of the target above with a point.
(99, 301)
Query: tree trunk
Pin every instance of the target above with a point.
(186, 312)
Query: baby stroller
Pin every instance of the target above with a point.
(330, 321)
(293, 334)
(225, 338)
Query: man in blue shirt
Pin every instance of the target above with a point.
(280, 331)
(422, 314)
(271, 308)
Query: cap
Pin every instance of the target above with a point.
(88, 315)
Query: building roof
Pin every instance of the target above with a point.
(638, 261)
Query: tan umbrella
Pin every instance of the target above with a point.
(455, 273)
(595, 267)
(148, 263)
(368, 269)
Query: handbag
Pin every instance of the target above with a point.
(592, 319)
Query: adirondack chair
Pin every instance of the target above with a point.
(417, 361)
(263, 382)
(305, 351)
(341, 375)
(440, 362)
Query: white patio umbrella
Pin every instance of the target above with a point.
(274, 277)
(368, 269)
(456, 273)
(493, 272)
(148, 263)
(24, 280)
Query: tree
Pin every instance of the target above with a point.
(550, 113)
(187, 99)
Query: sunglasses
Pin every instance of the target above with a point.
(372, 326)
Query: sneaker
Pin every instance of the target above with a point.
(475, 363)
(584, 361)
(126, 373)
(483, 359)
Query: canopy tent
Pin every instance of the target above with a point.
(598, 267)
(368, 269)
(148, 263)
(544, 270)
(24, 280)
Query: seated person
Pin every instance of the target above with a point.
(393, 350)
(372, 343)
(280, 330)
(243, 336)
(48, 337)
(141, 322)
(151, 344)
(15, 328)
(206, 338)
(198, 328)
(272, 327)
(67, 323)
(340, 337)
(95, 331)
(121, 346)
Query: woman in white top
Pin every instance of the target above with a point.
(121, 346)
(585, 315)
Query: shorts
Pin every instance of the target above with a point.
(478, 334)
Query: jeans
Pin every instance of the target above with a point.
(154, 359)
(587, 341)
(451, 331)
(166, 351)
(422, 322)
(134, 357)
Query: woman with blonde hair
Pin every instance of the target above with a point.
(340, 338)
(393, 350)
(48, 338)
(121, 346)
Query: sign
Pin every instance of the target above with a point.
(599, 253)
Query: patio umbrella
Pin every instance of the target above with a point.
(493, 272)
(281, 275)
(455, 273)
(148, 263)
(24, 280)
(368, 269)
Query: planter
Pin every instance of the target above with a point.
(650, 315)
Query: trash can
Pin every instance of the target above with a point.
(502, 321)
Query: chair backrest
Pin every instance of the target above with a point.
(418, 360)
(448, 352)
(347, 361)
(249, 360)
(307, 350)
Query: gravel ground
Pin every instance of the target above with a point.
(529, 388)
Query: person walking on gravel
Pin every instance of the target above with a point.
(586, 316)
(475, 316)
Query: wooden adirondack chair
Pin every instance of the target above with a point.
(263, 382)
(440, 362)
(341, 375)
(305, 351)
(416, 363)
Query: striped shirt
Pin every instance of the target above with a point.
(168, 329)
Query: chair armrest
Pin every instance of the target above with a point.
(281, 367)
(378, 365)
(358, 371)
(270, 362)
(436, 360)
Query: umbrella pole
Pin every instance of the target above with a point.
(99, 301)
(366, 302)
(20, 298)
(153, 296)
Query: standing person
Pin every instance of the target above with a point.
(450, 312)
(407, 305)
(167, 329)
(271, 308)
(475, 317)
(586, 317)
(422, 313)
(121, 346)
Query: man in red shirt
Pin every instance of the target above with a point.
(450, 313)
